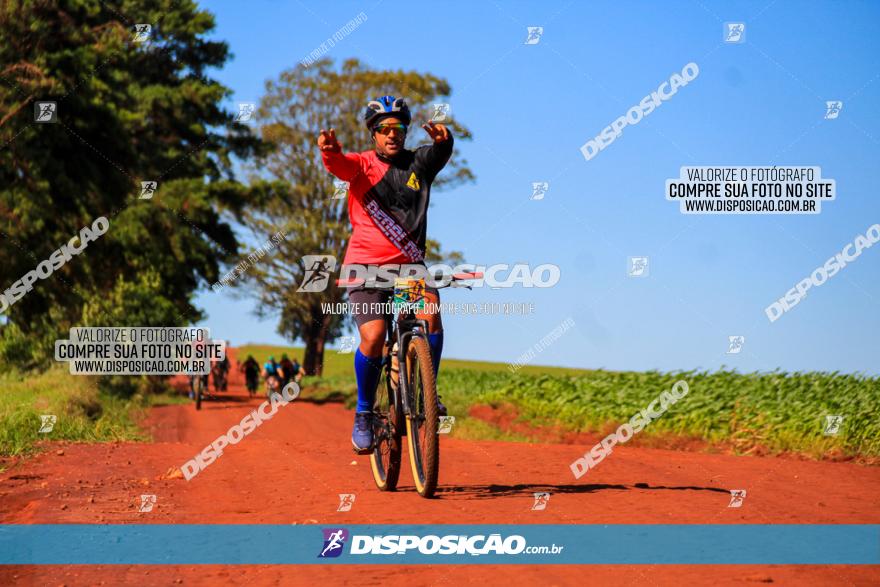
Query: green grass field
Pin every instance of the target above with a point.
(776, 412)
(83, 412)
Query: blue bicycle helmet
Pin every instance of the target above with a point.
(386, 107)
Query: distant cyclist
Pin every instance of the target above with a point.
(272, 374)
(389, 193)
(297, 371)
(220, 371)
(251, 371)
(192, 384)
(286, 370)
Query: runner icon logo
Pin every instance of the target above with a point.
(141, 33)
(346, 345)
(45, 112)
(346, 500)
(245, 111)
(735, 344)
(148, 188)
(534, 35)
(442, 113)
(147, 503)
(539, 190)
(444, 426)
(47, 423)
(832, 425)
(832, 109)
(637, 267)
(737, 496)
(340, 189)
(734, 32)
(541, 501)
(334, 540)
(317, 272)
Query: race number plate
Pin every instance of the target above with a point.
(409, 294)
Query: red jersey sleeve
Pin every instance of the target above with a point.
(344, 166)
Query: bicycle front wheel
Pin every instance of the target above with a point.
(421, 425)
(387, 434)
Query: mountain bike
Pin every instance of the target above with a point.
(219, 376)
(251, 382)
(199, 384)
(406, 397)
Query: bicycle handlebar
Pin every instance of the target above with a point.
(455, 277)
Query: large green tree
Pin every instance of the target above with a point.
(297, 194)
(129, 109)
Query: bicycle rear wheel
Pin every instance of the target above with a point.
(421, 425)
(387, 435)
(197, 391)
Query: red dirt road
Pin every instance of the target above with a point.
(292, 468)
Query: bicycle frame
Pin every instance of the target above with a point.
(402, 329)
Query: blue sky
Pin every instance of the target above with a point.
(531, 107)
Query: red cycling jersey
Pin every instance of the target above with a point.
(388, 201)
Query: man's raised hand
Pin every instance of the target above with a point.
(327, 141)
(438, 132)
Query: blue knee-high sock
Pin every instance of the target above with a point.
(367, 371)
(435, 341)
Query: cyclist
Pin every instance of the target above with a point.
(219, 371)
(251, 371)
(286, 370)
(389, 192)
(296, 371)
(192, 384)
(272, 373)
(199, 352)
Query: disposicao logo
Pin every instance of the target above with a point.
(334, 540)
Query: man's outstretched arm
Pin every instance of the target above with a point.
(344, 166)
(438, 154)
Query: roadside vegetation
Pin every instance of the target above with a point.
(748, 413)
(84, 407)
(764, 413)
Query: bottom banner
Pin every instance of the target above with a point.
(151, 544)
